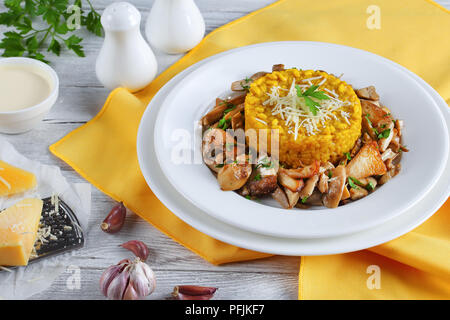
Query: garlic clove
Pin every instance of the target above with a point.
(189, 292)
(195, 290)
(107, 277)
(139, 281)
(138, 248)
(115, 220)
(150, 275)
(118, 285)
(131, 294)
(182, 296)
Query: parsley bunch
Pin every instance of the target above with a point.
(37, 26)
(312, 93)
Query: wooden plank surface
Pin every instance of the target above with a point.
(81, 97)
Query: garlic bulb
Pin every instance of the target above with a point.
(128, 280)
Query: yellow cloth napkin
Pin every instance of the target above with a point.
(413, 33)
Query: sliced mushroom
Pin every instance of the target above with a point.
(388, 154)
(214, 115)
(326, 167)
(241, 85)
(244, 84)
(315, 199)
(237, 121)
(384, 142)
(367, 162)
(368, 183)
(367, 93)
(358, 193)
(295, 185)
(258, 75)
(310, 184)
(345, 194)
(216, 164)
(335, 188)
(237, 109)
(213, 143)
(374, 113)
(281, 197)
(399, 124)
(305, 172)
(234, 175)
(278, 67)
(293, 197)
(369, 130)
(389, 175)
(395, 144)
(366, 138)
(356, 148)
(323, 183)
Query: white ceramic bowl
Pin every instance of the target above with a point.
(23, 120)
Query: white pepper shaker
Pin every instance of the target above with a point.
(175, 26)
(125, 59)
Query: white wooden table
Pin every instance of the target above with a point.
(81, 97)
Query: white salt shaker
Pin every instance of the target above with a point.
(125, 59)
(175, 26)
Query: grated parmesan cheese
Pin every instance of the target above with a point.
(293, 110)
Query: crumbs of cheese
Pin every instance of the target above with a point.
(293, 110)
(55, 202)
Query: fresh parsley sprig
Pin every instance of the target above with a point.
(311, 93)
(39, 26)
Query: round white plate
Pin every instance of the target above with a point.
(193, 96)
(296, 247)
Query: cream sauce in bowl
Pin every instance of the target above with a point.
(22, 86)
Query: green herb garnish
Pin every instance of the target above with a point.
(246, 86)
(230, 106)
(330, 174)
(304, 199)
(44, 26)
(224, 123)
(265, 163)
(352, 182)
(370, 186)
(248, 197)
(384, 134)
(347, 154)
(257, 177)
(309, 94)
(220, 165)
(368, 120)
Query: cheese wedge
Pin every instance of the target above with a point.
(18, 230)
(14, 180)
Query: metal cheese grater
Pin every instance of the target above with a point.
(65, 232)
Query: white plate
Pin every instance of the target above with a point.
(193, 96)
(296, 247)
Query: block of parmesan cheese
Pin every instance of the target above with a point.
(18, 231)
(14, 180)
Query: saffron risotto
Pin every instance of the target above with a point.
(310, 133)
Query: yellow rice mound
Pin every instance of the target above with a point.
(334, 138)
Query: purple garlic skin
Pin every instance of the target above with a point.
(190, 292)
(128, 280)
(138, 248)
